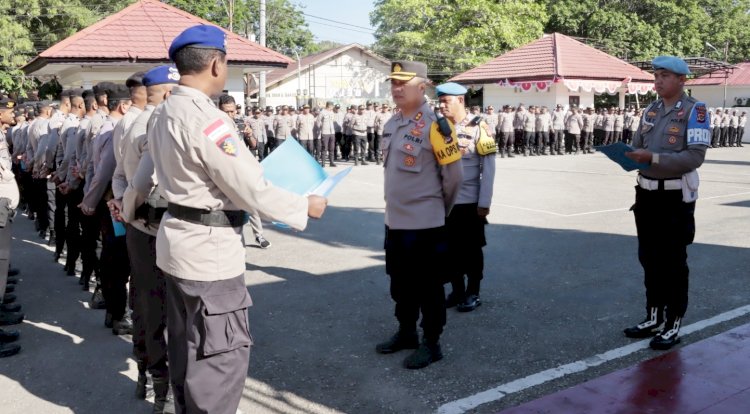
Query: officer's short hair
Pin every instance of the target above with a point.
(226, 99)
(89, 102)
(192, 60)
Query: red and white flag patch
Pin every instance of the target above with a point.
(217, 130)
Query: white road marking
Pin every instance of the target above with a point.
(499, 392)
(56, 329)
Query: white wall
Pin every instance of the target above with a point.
(713, 95)
(350, 78)
(498, 96)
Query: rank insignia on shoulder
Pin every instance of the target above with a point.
(651, 114)
(418, 116)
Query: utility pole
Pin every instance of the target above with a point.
(262, 80)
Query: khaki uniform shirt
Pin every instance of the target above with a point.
(573, 124)
(200, 162)
(305, 125)
(381, 118)
(419, 192)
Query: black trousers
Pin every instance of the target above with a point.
(370, 152)
(542, 140)
(73, 229)
(90, 232)
(587, 140)
(557, 140)
(666, 226)
(339, 137)
(740, 135)
(571, 143)
(44, 200)
(609, 137)
(114, 265)
(505, 141)
(528, 139)
(732, 135)
(617, 136)
(465, 240)
(209, 343)
(346, 151)
(414, 261)
(360, 147)
(598, 136)
(61, 203)
(724, 136)
(148, 292)
(260, 150)
(376, 143)
(308, 145)
(328, 144)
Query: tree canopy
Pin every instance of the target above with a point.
(453, 36)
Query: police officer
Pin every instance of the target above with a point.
(381, 118)
(672, 140)
(114, 262)
(325, 122)
(716, 128)
(369, 114)
(529, 130)
(359, 130)
(505, 132)
(348, 133)
(338, 126)
(423, 175)
(258, 128)
(268, 121)
(741, 128)
(466, 221)
(305, 126)
(147, 283)
(543, 126)
(208, 179)
(573, 125)
(587, 132)
(9, 197)
(609, 126)
(282, 125)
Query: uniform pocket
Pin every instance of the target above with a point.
(408, 158)
(225, 325)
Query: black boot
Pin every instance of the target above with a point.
(669, 336)
(9, 298)
(7, 350)
(9, 336)
(10, 307)
(161, 389)
(427, 353)
(140, 385)
(470, 303)
(13, 271)
(649, 327)
(401, 340)
(10, 318)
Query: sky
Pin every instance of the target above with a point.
(348, 21)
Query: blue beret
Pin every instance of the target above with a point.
(672, 64)
(200, 36)
(450, 88)
(161, 75)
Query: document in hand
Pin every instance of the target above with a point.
(292, 168)
(616, 152)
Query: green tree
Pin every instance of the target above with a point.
(452, 36)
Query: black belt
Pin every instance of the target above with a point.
(150, 214)
(218, 218)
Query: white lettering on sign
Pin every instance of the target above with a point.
(699, 136)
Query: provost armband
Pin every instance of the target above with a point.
(485, 144)
(444, 141)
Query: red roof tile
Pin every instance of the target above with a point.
(739, 77)
(554, 56)
(143, 31)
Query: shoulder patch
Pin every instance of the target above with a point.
(220, 133)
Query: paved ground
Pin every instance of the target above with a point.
(562, 280)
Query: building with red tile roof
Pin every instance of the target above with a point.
(555, 70)
(138, 38)
(710, 88)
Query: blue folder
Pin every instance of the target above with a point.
(292, 168)
(616, 152)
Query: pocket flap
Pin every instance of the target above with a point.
(227, 302)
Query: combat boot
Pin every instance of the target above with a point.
(426, 354)
(10, 318)
(510, 154)
(649, 327)
(161, 391)
(9, 336)
(10, 307)
(669, 336)
(140, 385)
(7, 350)
(122, 327)
(9, 298)
(363, 161)
(401, 340)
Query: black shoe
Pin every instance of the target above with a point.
(10, 288)
(364, 162)
(7, 350)
(32, 216)
(399, 341)
(161, 392)
(7, 337)
(469, 304)
(332, 165)
(140, 386)
(97, 299)
(13, 271)
(10, 307)
(10, 318)
(426, 354)
(668, 337)
(56, 258)
(122, 327)
(108, 320)
(453, 299)
(70, 269)
(12, 281)
(649, 327)
(9, 298)
(262, 242)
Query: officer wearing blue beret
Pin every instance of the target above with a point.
(466, 221)
(210, 180)
(671, 144)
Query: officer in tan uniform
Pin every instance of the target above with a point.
(9, 197)
(209, 179)
(147, 284)
(672, 140)
(305, 124)
(422, 178)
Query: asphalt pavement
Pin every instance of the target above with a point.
(562, 279)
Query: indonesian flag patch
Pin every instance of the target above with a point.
(221, 134)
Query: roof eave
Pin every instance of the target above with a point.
(40, 62)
